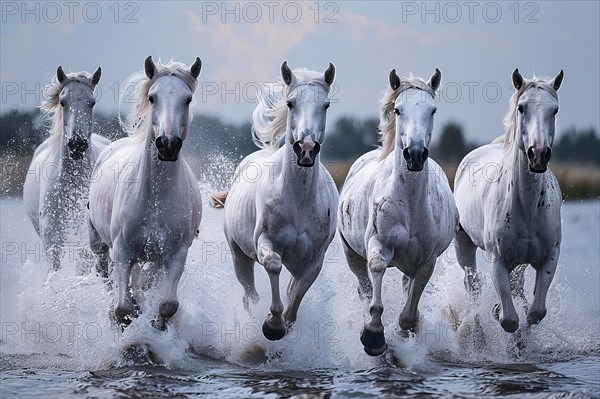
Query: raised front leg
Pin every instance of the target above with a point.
(416, 285)
(274, 325)
(543, 278)
(298, 287)
(501, 276)
(169, 303)
(465, 254)
(372, 336)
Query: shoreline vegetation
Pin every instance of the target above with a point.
(214, 149)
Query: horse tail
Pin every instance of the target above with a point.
(269, 118)
(217, 200)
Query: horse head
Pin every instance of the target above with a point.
(307, 101)
(414, 109)
(537, 106)
(77, 101)
(169, 96)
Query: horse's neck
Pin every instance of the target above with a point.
(300, 181)
(156, 176)
(521, 187)
(403, 181)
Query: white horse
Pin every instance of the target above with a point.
(288, 214)
(509, 201)
(396, 206)
(145, 202)
(57, 182)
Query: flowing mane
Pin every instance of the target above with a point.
(510, 126)
(387, 118)
(137, 86)
(51, 110)
(269, 119)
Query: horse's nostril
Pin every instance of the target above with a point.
(406, 154)
(530, 154)
(546, 154)
(425, 154)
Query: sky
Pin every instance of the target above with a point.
(476, 45)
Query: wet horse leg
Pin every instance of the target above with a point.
(274, 325)
(543, 278)
(372, 336)
(465, 255)
(417, 283)
(123, 260)
(169, 303)
(298, 287)
(358, 266)
(244, 271)
(508, 318)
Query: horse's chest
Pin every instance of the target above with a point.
(518, 245)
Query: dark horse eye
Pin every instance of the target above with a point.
(151, 99)
(62, 103)
(520, 108)
(289, 104)
(396, 111)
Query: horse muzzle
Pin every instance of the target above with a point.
(415, 158)
(538, 159)
(168, 148)
(77, 147)
(306, 151)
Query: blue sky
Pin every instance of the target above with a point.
(475, 44)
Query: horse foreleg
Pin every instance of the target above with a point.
(169, 302)
(274, 326)
(100, 249)
(125, 305)
(298, 288)
(465, 255)
(358, 266)
(543, 277)
(508, 318)
(408, 316)
(372, 336)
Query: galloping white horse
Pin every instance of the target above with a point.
(288, 215)
(57, 182)
(145, 202)
(509, 201)
(396, 207)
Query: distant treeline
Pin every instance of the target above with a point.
(347, 138)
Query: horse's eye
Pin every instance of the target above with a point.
(397, 111)
(62, 103)
(188, 101)
(289, 104)
(520, 109)
(92, 103)
(433, 112)
(151, 99)
(555, 112)
(327, 105)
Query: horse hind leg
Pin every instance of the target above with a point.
(465, 255)
(100, 249)
(244, 271)
(358, 266)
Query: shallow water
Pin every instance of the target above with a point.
(58, 339)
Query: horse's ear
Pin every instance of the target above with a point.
(394, 80)
(435, 80)
(286, 74)
(517, 79)
(196, 67)
(556, 82)
(149, 67)
(96, 76)
(60, 74)
(329, 74)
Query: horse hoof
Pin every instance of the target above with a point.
(374, 343)
(509, 326)
(272, 334)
